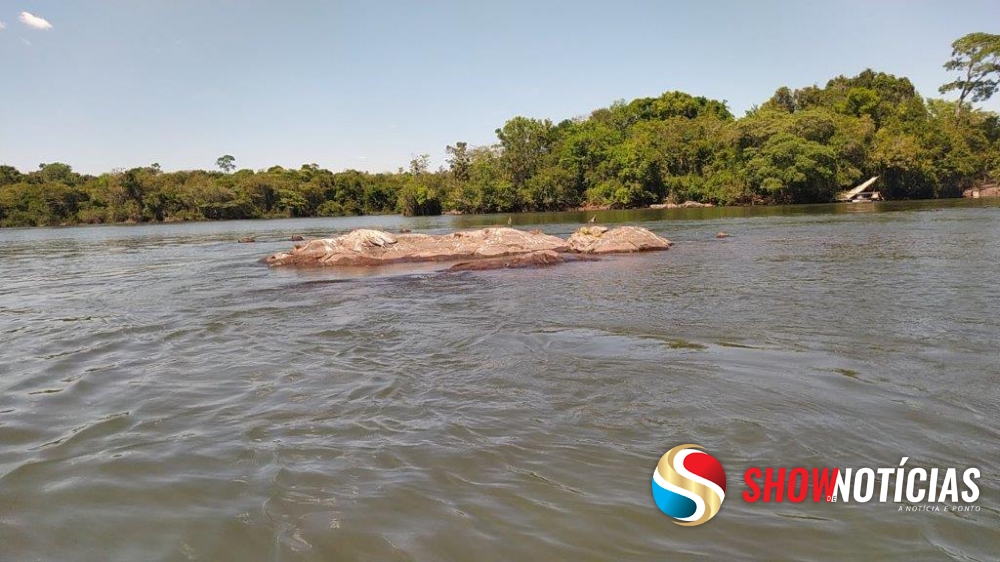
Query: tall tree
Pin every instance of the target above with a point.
(459, 160)
(976, 57)
(525, 143)
(420, 164)
(226, 163)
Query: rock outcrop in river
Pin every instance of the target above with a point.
(684, 205)
(983, 191)
(488, 248)
(621, 240)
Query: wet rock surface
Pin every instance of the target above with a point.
(534, 259)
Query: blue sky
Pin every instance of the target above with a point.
(370, 84)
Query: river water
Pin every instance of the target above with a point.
(166, 397)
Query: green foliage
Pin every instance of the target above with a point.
(9, 175)
(417, 199)
(420, 193)
(793, 169)
(551, 189)
(677, 104)
(526, 143)
(56, 195)
(459, 160)
(800, 146)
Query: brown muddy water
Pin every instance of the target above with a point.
(165, 397)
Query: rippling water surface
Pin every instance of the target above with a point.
(165, 397)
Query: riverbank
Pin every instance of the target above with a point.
(530, 217)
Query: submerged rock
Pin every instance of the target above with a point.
(621, 240)
(533, 259)
(374, 247)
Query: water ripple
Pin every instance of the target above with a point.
(165, 397)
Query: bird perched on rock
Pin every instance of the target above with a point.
(593, 219)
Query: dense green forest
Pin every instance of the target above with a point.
(800, 146)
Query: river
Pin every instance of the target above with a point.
(166, 397)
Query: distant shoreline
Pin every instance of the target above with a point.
(582, 210)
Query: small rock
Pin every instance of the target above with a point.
(405, 231)
(247, 240)
(596, 231)
(721, 234)
(296, 238)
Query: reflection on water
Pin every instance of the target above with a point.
(166, 397)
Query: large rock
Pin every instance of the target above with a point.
(374, 247)
(621, 240)
(489, 248)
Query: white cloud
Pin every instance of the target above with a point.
(34, 21)
(2, 25)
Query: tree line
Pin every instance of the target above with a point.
(799, 146)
